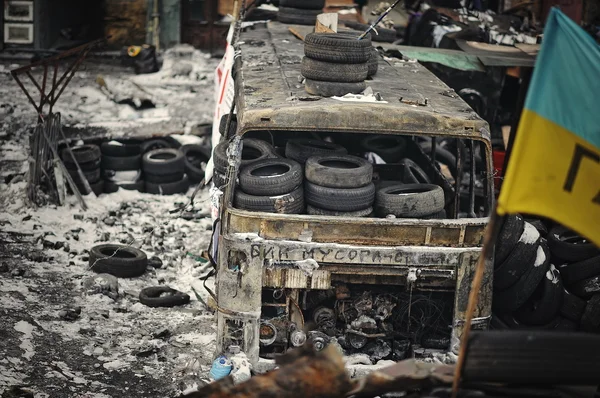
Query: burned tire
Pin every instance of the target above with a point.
(127, 148)
(339, 171)
(168, 188)
(91, 176)
(163, 296)
(413, 173)
(302, 149)
(333, 89)
(163, 179)
(83, 154)
(340, 199)
(519, 260)
(569, 246)
(315, 211)
(88, 166)
(442, 155)
(586, 288)
(373, 64)
(291, 203)
(544, 308)
(514, 297)
(532, 357)
(390, 148)
(119, 260)
(121, 163)
(232, 125)
(111, 187)
(253, 150)
(590, 320)
(297, 16)
(409, 200)
(332, 72)
(331, 47)
(151, 145)
(306, 4)
(219, 180)
(510, 233)
(160, 162)
(194, 157)
(576, 272)
(271, 177)
(572, 307)
(97, 187)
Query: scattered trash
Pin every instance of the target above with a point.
(221, 368)
(102, 284)
(70, 314)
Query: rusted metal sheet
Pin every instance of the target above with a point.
(296, 279)
(277, 104)
(321, 279)
(359, 231)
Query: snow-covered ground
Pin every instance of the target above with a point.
(116, 346)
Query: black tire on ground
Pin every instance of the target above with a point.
(82, 154)
(576, 272)
(169, 188)
(219, 180)
(121, 163)
(514, 297)
(232, 125)
(306, 4)
(163, 296)
(532, 358)
(301, 149)
(569, 246)
(157, 143)
(590, 320)
(586, 288)
(340, 199)
(271, 177)
(88, 166)
(413, 173)
(373, 64)
(390, 148)
(163, 179)
(128, 147)
(161, 162)
(572, 307)
(97, 188)
(339, 171)
(291, 203)
(442, 155)
(111, 187)
(194, 157)
(253, 150)
(297, 16)
(518, 261)
(333, 72)
(409, 200)
(511, 231)
(546, 306)
(331, 47)
(333, 89)
(315, 211)
(119, 260)
(91, 176)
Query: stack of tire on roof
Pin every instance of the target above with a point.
(545, 278)
(336, 64)
(88, 158)
(300, 12)
(142, 165)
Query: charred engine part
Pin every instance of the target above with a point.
(364, 304)
(324, 318)
(268, 333)
(364, 324)
(342, 292)
(277, 294)
(356, 341)
(297, 338)
(345, 311)
(318, 339)
(436, 342)
(378, 349)
(384, 306)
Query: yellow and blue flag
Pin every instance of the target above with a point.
(554, 170)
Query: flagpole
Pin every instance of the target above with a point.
(489, 240)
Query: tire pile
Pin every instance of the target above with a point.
(146, 166)
(336, 64)
(545, 278)
(300, 12)
(253, 150)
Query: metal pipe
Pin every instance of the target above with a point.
(155, 28)
(472, 181)
(459, 169)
